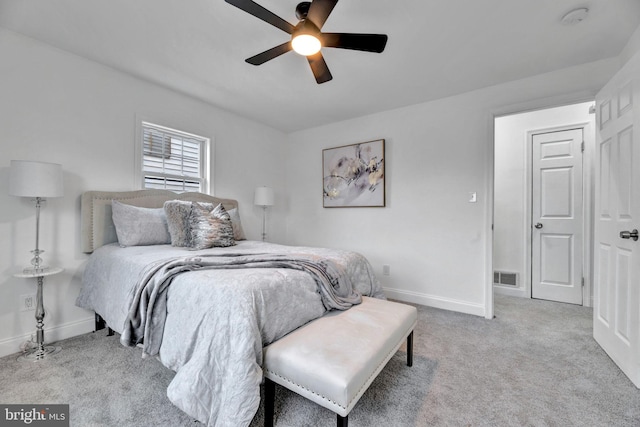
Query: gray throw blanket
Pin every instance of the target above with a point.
(145, 322)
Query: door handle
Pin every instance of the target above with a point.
(629, 234)
(538, 226)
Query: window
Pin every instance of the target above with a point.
(173, 160)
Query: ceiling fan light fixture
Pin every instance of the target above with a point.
(307, 39)
(306, 44)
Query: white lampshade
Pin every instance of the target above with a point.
(263, 196)
(35, 179)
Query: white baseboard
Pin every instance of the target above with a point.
(511, 292)
(436, 301)
(72, 329)
(56, 333)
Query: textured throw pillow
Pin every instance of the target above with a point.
(177, 212)
(238, 232)
(210, 228)
(137, 226)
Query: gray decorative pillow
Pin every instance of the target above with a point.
(238, 232)
(137, 226)
(210, 228)
(177, 212)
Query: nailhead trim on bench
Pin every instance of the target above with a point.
(302, 387)
(363, 388)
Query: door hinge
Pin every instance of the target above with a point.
(592, 109)
(583, 282)
(582, 146)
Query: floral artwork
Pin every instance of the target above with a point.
(353, 175)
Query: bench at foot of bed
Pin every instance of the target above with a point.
(333, 360)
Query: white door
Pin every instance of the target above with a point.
(556, 253)
(616, 323)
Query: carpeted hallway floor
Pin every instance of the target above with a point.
(535, 364)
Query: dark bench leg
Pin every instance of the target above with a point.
(269, 403)
(270, 392)
(269, 400)
(410, 349)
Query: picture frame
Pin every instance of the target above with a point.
(354, 175)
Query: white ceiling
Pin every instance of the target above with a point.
(436, 48)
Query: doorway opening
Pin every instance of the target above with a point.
(543, 203)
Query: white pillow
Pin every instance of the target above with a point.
(238, 232)
(137, 226)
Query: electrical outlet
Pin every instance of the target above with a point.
(386, 270)
(28, 302)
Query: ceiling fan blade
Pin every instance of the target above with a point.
(268, 55)
(366, 42)
(319, 11)
(260, 12)
(319, 67)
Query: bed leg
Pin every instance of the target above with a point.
(410, 349)
(269, 401)
(343, 421)
(101, 324)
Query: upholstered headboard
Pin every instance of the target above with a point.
(97, 225)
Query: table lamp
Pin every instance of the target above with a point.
(264, 197)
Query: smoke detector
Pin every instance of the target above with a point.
(575, 16)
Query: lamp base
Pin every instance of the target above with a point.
(37, 354)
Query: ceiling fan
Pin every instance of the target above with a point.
(306, 37)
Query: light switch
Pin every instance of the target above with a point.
(473, 197)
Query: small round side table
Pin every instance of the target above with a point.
(41, 350)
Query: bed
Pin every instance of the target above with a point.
(207, 313)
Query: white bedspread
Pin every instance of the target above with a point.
(217, 320)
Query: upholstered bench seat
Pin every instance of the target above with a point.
(333, 360)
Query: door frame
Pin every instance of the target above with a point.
(588, 135)
(492, 113)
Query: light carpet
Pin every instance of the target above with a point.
(535, 364)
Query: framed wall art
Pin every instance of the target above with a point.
(353, 175)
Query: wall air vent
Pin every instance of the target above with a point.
(505, 278)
